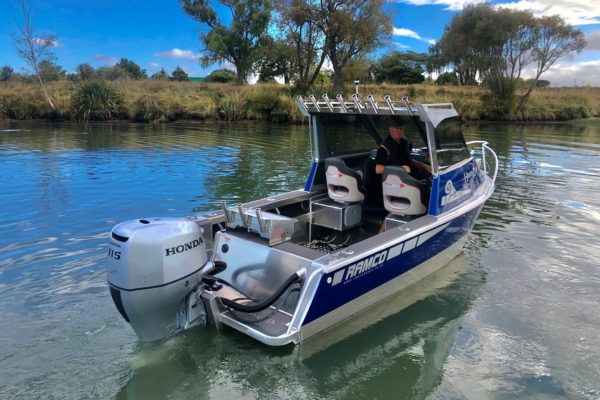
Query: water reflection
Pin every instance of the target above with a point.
(520, 322)
(396, 349)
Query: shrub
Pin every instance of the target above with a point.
(262, 103)
(221, 76)
(148, 109)
(447, 78)
(413, 92)
(95, 100)
(573, 112)
(231, 107)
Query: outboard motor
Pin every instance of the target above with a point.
(153, 265)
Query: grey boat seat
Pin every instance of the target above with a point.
(344, 185)
(403, 194)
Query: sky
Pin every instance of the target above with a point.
(158, 34)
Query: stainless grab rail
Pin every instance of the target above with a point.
(485, 146)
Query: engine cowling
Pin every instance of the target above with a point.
(153, 264)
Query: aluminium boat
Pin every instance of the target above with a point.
(287, 267)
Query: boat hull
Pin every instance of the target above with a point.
(352, 288)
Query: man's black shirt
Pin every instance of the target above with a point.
(392, 153)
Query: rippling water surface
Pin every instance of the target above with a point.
(515, 316)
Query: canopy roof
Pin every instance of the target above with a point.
(433, 113)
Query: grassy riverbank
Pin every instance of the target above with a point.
(161, 101)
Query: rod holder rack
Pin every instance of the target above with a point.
(354, 105)
(274, 227)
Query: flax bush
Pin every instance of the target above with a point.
(95, 100)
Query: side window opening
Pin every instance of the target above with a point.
(346, 134)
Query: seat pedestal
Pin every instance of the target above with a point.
(395, 221)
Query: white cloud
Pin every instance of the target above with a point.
(179, 54)
(47, 42)
(570, 74)
(401, 45)
(451, 5)
(574, 12)
(593, 41)
(411, 34)
(154, 64)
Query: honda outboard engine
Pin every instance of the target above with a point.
(153, 264)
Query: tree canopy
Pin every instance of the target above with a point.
(50, 71)
(221, 76)
(496, 45)
(240, 42)
(179, 75)
(6, 73)
(130, 69)
(298, 27)
(277, 60)
(352, 29)
(85, 72)
(34, 47)
(160, 75)
(401, 67)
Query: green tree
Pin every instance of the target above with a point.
(277, 60)
(361, 69)
(499, 43)
(458, 47)
(239, 43)
(34, 47)
(540, 83)
(50, 71)
(221, 76)
(352, 29)
(298, 25)
(111, 73)
(447, 78)
(554, 39)
(131, 69)
(6, 73)
(179, 75)
(85, 72)
(160, 75)
(401, 67)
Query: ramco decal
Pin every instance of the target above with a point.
(358, 269)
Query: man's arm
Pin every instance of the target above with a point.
(418, 164)
(379, 168)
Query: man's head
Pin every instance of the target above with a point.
(396, 129)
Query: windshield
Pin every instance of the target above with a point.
(346, 134)
(450, 143)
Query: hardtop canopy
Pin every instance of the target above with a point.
(436, 125)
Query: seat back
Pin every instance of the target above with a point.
(403, 194)
(344, 185)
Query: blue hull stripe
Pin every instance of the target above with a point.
(346, 284)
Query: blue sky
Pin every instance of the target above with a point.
(157, 33)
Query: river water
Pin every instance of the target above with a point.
(515, 316)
